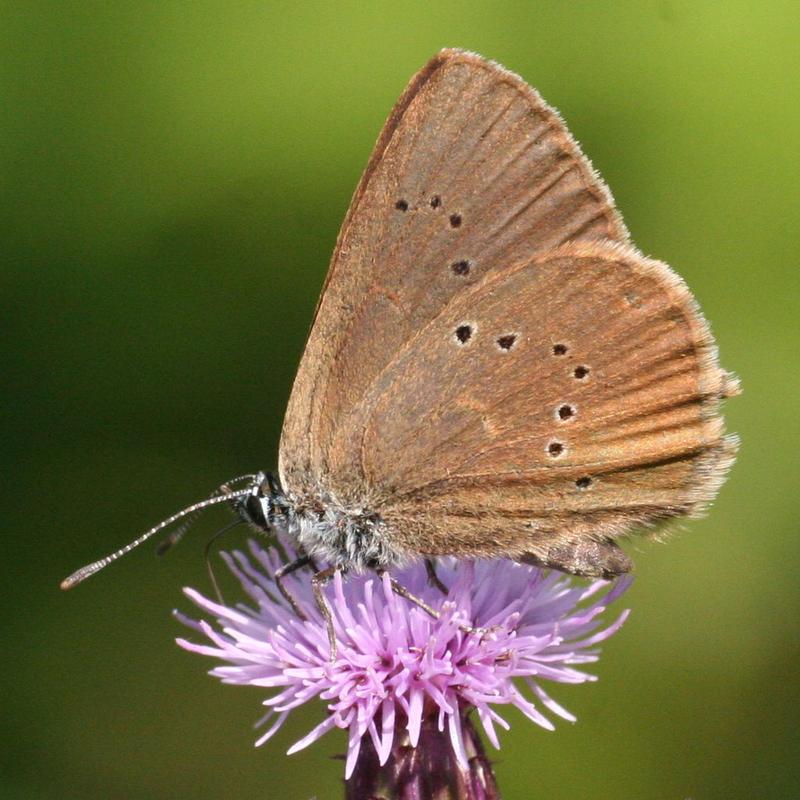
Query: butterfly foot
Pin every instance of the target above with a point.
(477, 630)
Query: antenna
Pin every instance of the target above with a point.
(84, 572)
(182, 530)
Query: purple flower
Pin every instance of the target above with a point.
(396, 667)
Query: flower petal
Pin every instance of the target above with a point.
(313, 735)
(273, 729)
(457, 738)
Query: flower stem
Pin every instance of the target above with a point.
(429, 771)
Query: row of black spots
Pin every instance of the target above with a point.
(508, 340)
(557, 449)
(435, 202)
(402, 205)
(581, 372)
(565, 412)
(464, 332)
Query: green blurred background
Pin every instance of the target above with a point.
(173, 178)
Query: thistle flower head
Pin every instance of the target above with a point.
(395, 665)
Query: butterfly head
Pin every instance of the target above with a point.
(265, 506)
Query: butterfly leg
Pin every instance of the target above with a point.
(402, 591)
(433, 578)
(588, 558)
(288, 569)
(318, 582)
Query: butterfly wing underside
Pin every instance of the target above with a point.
(478, 240)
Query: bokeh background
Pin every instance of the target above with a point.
(173, 179)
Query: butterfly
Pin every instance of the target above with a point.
(493, 369)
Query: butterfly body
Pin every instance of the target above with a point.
(357, 540)
(352, 539)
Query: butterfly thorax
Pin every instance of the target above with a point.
(353, 539)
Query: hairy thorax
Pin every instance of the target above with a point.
(351, 539)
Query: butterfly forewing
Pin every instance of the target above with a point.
(472, 173)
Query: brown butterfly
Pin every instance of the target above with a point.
(493, 370)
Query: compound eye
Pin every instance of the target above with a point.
(253, 509)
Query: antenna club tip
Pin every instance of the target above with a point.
(77, 577)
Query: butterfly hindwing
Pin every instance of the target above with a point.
(585, 400)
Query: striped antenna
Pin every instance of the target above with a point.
(96, 566)
(227, 489)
